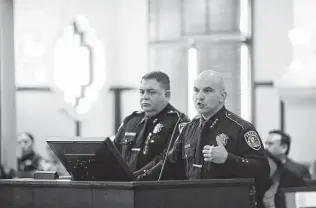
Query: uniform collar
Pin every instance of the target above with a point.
(214, 119)
(159, 115)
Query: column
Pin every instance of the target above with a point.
(7, 85)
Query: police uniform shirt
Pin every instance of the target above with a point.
(141, 139)
(246, 158)
(245, 150)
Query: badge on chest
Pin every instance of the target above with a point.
(223, 138)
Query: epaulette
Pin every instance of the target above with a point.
(238, 120)
(133, 114)
(173, 112)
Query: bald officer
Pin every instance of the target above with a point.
(218, 144)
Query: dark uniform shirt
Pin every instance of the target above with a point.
(142, 141)
(246, 157)
(30, 162)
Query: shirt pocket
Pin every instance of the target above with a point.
(128, 138)
(126, 144)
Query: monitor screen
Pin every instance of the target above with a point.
(91, 159)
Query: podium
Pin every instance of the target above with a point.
(221, 193)
(300, 197)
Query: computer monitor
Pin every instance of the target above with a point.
(91, 159)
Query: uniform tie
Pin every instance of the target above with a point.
(200, 142)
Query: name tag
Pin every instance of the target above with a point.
(130, 133)
(197, 166)
(187, 145)
(136, 149)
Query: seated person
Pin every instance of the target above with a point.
(29, 161)
(281, 176)
(278, 144)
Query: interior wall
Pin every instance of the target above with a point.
(273, 19)
(121, 27)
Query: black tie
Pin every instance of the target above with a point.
(200, 143)
(135, 151)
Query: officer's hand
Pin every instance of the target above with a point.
(216, 154)
(141, 177)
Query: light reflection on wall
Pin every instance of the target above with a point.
(79, 66)
(192, 73)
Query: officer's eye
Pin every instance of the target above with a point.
(195, 89)
(152, 92)
(208, 90)
(141, 92)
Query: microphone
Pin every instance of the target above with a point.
(170, 143)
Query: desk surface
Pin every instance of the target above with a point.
(129, 185)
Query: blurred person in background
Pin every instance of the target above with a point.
(281, 176)
(28, 161)
(278, 144)
(6, 174)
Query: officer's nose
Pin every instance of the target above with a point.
(200, 96)
(145, 96)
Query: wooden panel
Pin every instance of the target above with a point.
(13, 196)
(62, 198)
(200, 197)
(113, 198)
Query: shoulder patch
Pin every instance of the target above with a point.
(252, 139)
(181, 126)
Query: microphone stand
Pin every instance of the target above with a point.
(169, 145)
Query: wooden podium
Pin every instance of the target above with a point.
(29, 193)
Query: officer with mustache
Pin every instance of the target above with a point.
(144, 136)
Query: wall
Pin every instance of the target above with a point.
(122, 28)
(273, 19)
(7, 95)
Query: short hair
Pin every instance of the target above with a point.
(160, 77)
(29, 135)
(285, 139)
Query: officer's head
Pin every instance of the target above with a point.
(209, 93)
(278, 143)
(154, 92)
(26, 143)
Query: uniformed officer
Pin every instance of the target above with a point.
(144, 136)
(218, 144)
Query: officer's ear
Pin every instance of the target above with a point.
(223, 96)
(167, 94)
